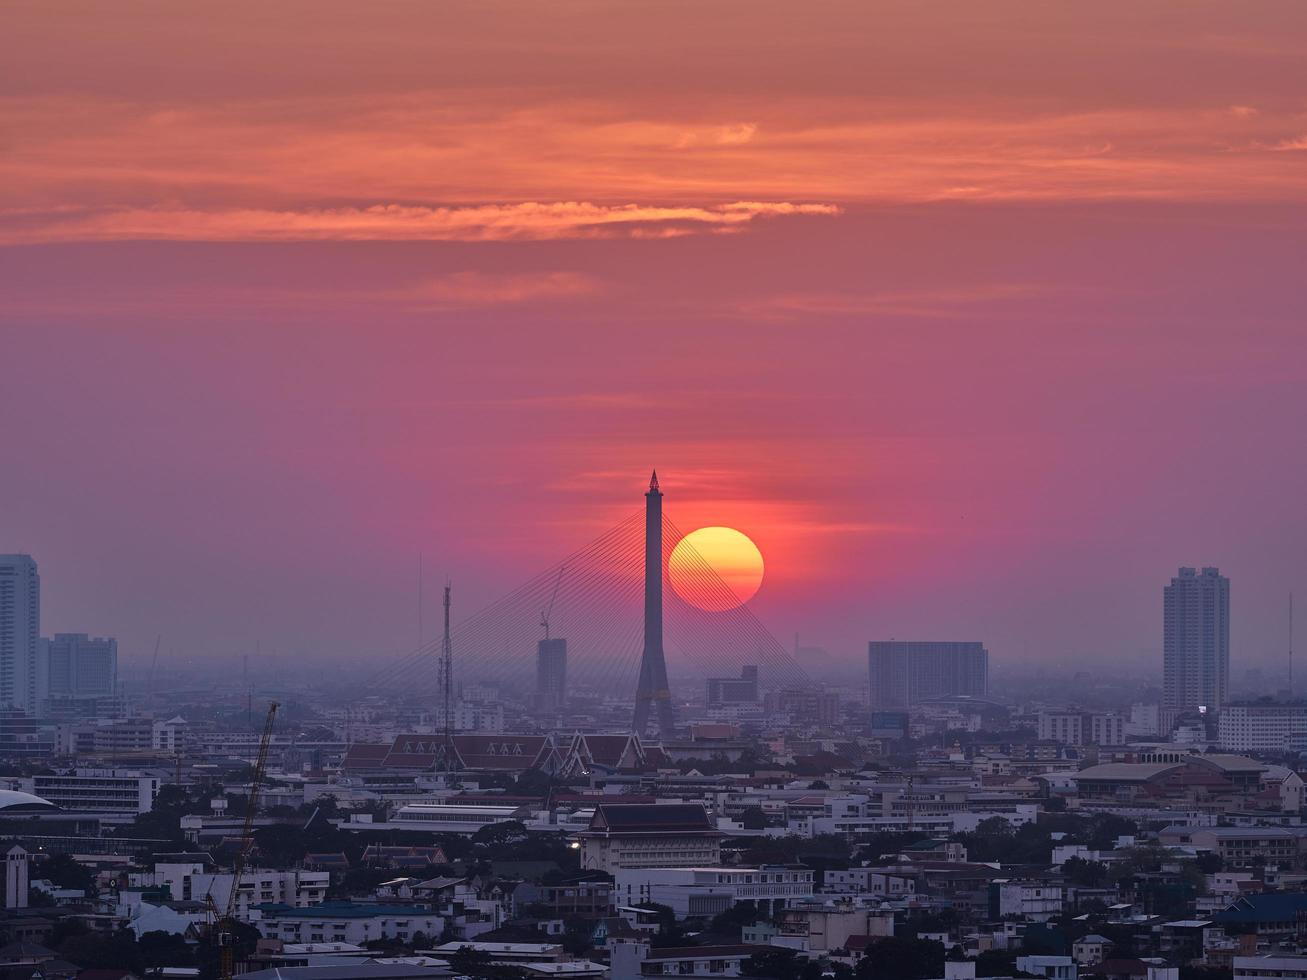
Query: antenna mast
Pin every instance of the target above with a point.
(1290, 646)
(447, 685)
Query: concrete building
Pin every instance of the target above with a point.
(637, 960)
(191, 882)
(734, 690)
(551, 674)
(1258, 727)
(1282, 966)
(1037, 900)
(16, 878)
(905, 672)
(1196, 640)
(1082, 727)
(640, 835)
(346, 922)
(80, 666)
(121, 793)
(21, 685)
(708, 891)
(816, 928)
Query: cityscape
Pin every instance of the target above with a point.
(506, 491)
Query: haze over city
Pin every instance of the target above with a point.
(499, 490)
(1011, 328)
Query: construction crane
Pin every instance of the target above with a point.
(225, 927)
(544, 616)
(154, 663)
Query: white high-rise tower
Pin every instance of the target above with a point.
(20, 632)
(1196, 640)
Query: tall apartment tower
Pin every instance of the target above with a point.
(903, 673)
(551, 674)
(20, 633)
(1196, 640)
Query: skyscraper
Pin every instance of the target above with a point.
(905, 672)
(20, 632)
(551, 674)
(1196, 640)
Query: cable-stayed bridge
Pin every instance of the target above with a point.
(623, 623)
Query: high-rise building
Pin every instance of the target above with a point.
(80, 666)
(1196, 640)
(734, 690)
(551, 674)
(20, 632)
(902, 673)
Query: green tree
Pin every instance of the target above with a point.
(897, 958)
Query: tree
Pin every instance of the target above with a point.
(96, 951)
(735, 918)
(896, 958)
(508, 831)
(780, 964)
(160, 948)
(1089, 874)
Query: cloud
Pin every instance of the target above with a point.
(462, 289)
(532, 221)
(1300, 143)
(903, 303)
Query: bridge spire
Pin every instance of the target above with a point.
(652, 693)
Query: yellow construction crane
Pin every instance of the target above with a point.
(225, 927)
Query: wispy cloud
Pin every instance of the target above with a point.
(532, 221)
(905, 303)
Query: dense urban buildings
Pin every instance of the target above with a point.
(1196, 640)
(904, 673)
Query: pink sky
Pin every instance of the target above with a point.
(979, 319)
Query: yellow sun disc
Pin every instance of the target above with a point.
(715, 568)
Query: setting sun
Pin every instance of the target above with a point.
(715, 568)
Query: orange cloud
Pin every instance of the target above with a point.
(533, 221)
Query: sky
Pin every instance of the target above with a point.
(979, 319)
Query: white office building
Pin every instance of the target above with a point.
(20, 633)
(1263, 727)
(1082, 727)
(109, 793)
(190, 882)
(708, 891)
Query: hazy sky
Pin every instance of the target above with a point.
(979, 318)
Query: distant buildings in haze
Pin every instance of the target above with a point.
(734, 690)
(551, 674)
(34, 671)
(1196, 640)
(903, 673)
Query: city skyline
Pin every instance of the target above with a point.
(970, 316)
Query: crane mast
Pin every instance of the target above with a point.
(226, 924)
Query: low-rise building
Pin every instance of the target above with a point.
(642, 835)
(1281, 966)
(345, 922)
(708, 891)
(108, 793)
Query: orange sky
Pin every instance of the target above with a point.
(978, 318)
